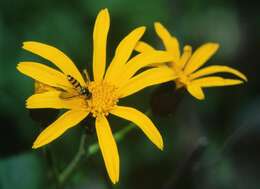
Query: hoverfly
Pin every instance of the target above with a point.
(82, 91)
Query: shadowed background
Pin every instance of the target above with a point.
(208, 144)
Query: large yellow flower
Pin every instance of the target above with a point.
(120, 80)
(186, 66)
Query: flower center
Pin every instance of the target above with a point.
(104, 98)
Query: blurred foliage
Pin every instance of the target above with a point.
(228, 120)
(23, 171)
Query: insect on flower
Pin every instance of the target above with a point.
(100, 96)
(83, 91)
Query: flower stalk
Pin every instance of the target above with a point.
(64, 175)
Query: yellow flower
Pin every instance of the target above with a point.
(118, 81)
(186, 66)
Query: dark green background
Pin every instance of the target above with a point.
(208, 144)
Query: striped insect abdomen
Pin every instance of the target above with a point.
(73, 82)
(80, 89)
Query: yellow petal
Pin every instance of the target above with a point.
(171, 43)
(180, 64)
(217, 69)
(123, 52)
(41, 87)
(147, 78)
(140, 61)
(196, 91)
(215, 82)
(200, 57)
(52, 99)
(44, 74)
(142, 121)
(57, 57)
(67, 120)
(108, 148)
(100, 44)
(143, 47)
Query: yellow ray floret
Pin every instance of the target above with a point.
(170, 43)
(122, 54)
(142, 121)
(100, 44)
(57, 128)
(51, 99)
(108, 148)
(54, 55)
(44, 74)
(147, 78)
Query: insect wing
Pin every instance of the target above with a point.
(66, 95)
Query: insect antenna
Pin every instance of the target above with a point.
(86, 76)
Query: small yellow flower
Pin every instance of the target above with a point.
(186, 66)
(118, 81)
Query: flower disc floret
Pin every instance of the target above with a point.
(104, 98)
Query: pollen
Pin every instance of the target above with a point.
(104, 98)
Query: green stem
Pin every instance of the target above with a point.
(73, 164)
(52, 163)
(48, 153)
